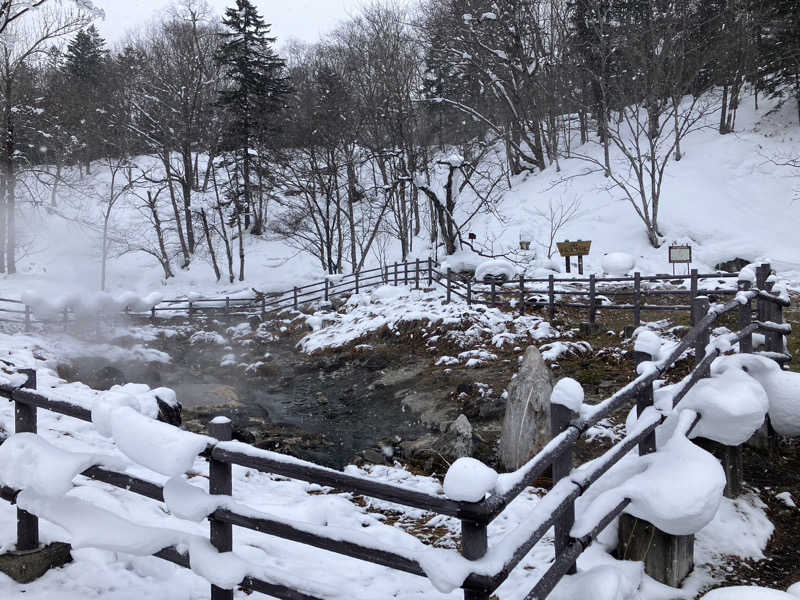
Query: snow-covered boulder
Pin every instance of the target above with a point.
(497, 268)
(618, 263)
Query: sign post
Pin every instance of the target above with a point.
(680, 255)
(578, 248)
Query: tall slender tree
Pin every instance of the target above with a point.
(257, 86)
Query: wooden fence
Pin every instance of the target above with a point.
(555, 509)
(522, 294)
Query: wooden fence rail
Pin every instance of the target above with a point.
(555, 509)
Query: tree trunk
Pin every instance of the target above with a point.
(351, 199)
(241, 246)
(678, 154)
(723, 115)
(165, 264)
(186, 188)
(210, 245)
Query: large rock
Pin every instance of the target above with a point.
(526, 426)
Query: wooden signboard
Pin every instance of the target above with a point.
(680, 255)
(579, 248)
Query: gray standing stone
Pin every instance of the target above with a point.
(526, 426)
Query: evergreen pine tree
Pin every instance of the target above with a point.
(780, 49)
(85, 71)
(257, 85)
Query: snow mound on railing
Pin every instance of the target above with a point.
(27, 461)
(782, 388)
(678, 488)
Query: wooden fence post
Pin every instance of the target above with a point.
(191, 310)
(469, 292)
(326, 289)
(449, 284)
(774, 313)
(643, 400)
(220, 481)
(152, 313)
(405, 273)
(474, 544)
(521, 295)
(492, 302)
(294, 298)
(667, 558)
(227, 304)
(699, 310)
(560, 417)
(551, 296)
(430, 272)
(357, 282)
(693, 293)
(637, 300)
(745, 318)
(25, 422)
(592, 300)
(762, 306)
(395, 274)
(264, 303)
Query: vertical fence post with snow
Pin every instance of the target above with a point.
(560, 417)
(25, 422)
(430, 272)
(294, 296)
(521, 294)
(493, 301)
(765, 438)
(693, 292)
(592, 299)
(416, 275)
(449, 283)
(474, 544)
(551, 296)
(395, 274)
(667, 558)
(637, 299)
(469, 292)
(745, 318)
(699, 310)
(220, 481)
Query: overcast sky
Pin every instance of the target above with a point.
(305, 20)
